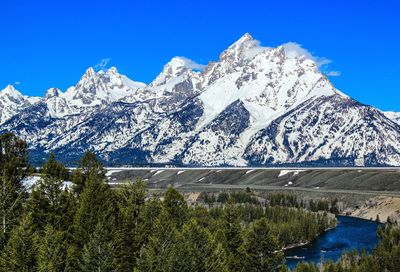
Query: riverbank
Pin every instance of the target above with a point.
(309, 242)
(379, 208)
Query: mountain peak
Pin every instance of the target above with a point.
(90, 72)
(52, 92)
(112, 71)
(237, 51)
(245, 38)
(174, 68)
(10, 90)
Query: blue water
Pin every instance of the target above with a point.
(350, 234)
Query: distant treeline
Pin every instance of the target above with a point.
(272, 199)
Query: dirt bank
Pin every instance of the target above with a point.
(383, 207)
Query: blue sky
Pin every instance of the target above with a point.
(47, 44)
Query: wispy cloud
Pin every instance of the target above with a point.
(192, 64)
(102, 64)
(293, 49)
(16, 83)
(333, 73)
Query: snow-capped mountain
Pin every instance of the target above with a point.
(254, 106)
(12, 102)
(93, 90)
(394, 116)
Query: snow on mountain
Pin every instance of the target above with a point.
(394, 116)
(94, 89)
(254, 106)
(12, 101)
(328, 131)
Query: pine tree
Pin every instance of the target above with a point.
(88, 166)
(98, 253)
(260, 248)
(13, 168)
(233, 236)
(198, 251)
(95, 203)
(20, 251)
(52, 168)
(131, 200)
(175, 206)
(51, 203)
(157, 255)
(52, 250)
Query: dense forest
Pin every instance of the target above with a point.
(90, 226)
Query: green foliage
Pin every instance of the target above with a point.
(175, 206)
(52, 168)
(233, 239)
(158, 253)
(237, 197)
(52, 250)
(98, 253)
(261, 249)
(51, 204)
(95, 204)
(198, 248)
(88, 166)
(13, 168)
(20, 252)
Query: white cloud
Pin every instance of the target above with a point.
(102, 64)
(333, 73)
(293, 49)
(254, 48)
(16, 83)
(192, 64)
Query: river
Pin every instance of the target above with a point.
(350, 234)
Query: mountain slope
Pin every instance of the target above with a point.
(394, 116)
(254, 106)
(12, 102)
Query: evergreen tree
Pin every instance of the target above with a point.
(95, 203)
(233, 236)
(175, 206)
(98, 253)
(157, 255)
(198, 251)
(51, 203)
(260, 248)
(131, 200)
(20, 252)
(13, 168)
(88, 166)
(52, 250)
(52, 168)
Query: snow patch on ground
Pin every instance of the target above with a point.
(28, 182)
(285, 172)
(158, 172)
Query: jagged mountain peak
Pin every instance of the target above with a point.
(52, 92)
(237, 51)
(242, 41)
(176, 67)
(11, 91)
